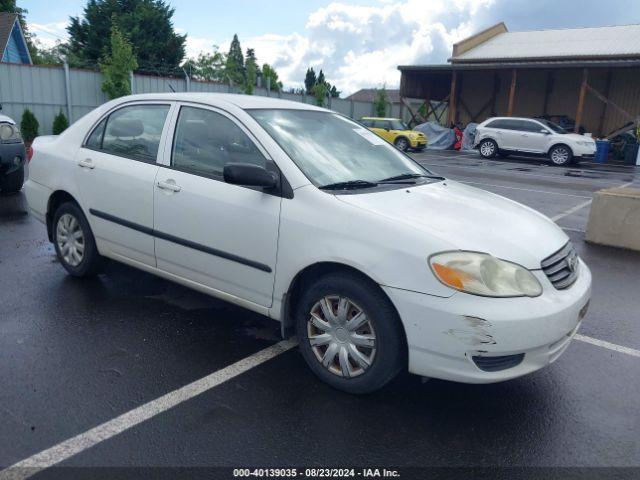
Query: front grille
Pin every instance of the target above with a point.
(495, 364)
(561, 268)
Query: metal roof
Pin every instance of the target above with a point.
(594, 42)
(522, 64)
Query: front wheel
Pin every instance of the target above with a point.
(560, 155)
(488, 148)
(349, 333)
(74, 242)
(402, 144)
(12, 183)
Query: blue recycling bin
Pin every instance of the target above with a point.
(602, 151)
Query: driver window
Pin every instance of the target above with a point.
(205, 141)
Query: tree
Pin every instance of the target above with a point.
(270, 77)
(334, 92)
(380, 102)
(235, 63)
(208, 66)
(117, 67)
(60, 123)
(321, 79)
(29, 126)
(320, 92)
(251, 67)
(148, 24)
(310, 81)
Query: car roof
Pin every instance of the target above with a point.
(512, 118)
(245, 102)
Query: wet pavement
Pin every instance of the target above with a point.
(77, 353)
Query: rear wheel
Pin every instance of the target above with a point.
(560, 155)
(74, 241)
(12, 183)
(488, 148)
(402, 144)
(349, 333)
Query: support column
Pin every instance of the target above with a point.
(67, 87)
(603, 114)
(547, 92)
(512, 92)
(452, 98)
(581, 97)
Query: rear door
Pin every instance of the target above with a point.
(508, 134)
(116, 174)
(210, 232)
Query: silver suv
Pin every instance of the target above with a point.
(505, 135)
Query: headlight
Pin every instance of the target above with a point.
(483, 274)
(9, 132)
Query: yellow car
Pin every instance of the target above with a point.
(395, 131)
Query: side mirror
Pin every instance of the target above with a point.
(544, 131)
(249, 175)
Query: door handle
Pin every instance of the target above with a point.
(169, 185)
(86, 163)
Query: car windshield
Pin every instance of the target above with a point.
(331, 149)
(553, 126)
(398, 125)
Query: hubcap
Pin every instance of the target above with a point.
(559, 155)
(402, 144)
(70, 239)
(486, 149)
(341, 336)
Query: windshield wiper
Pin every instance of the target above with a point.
(408, 176)
(348, 184)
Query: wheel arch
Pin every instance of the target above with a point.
(56, 199)
(307, 274)
(401, 136)
(558, 144)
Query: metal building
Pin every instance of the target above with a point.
(591, 75)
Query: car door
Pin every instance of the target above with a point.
(508, 135)
(219, 235)
(531, 138)
(115, 176)
(381, 127)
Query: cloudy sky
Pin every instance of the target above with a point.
(357, 43)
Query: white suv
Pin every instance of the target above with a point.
(505, 135)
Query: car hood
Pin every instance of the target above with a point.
(468, 218)
(576, 137)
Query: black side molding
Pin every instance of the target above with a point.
(181, 241)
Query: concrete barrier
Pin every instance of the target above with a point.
(615, 218)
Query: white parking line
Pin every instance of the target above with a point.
(58, 453)
(611, 346)
(580, 206)
(523, 189)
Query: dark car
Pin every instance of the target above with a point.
(13, 156)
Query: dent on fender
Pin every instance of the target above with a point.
(476, 334)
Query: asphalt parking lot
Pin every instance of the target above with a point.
(86, 366)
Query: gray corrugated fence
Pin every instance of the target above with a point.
(45, 91)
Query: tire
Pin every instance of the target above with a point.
(353, 368)
(12, 183)
(68, 219)
(402, 144)
(488, 148)
(560, 155)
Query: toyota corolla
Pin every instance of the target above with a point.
(303, 215)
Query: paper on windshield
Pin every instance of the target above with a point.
(368, 135)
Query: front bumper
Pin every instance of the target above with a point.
(444, 334)
(8, 154)
(584, 152)
(418, 143)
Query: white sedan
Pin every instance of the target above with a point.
(301, 214)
